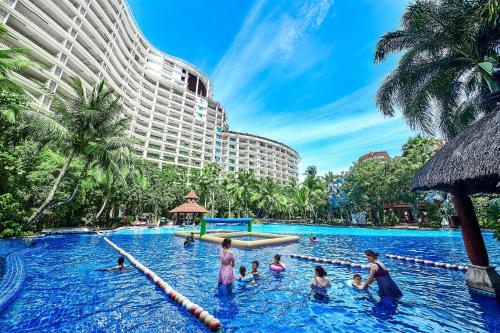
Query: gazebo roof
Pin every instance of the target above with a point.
(189, 207)
(192, 195)
(470, 160)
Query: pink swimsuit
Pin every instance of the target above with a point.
(226, 273)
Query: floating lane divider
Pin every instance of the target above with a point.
(427, 262)
(331, 261)
(193, 308)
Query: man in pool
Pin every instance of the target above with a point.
(121, 266)
(189, 239)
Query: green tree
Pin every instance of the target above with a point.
(242, 189)
(94, 126)
(440, 82)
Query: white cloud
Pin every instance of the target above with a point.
(264, 40)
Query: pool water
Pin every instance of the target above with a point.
(64, 292)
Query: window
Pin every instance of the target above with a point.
(231, 168)
(231, 161)
(218, 151)
(232, 146)
(232, 139)
(218, 136)
(209, 143)
(217, 158)
(232, 153)
(218, 143)
(208, 150)
(218, 129)
(207, 158)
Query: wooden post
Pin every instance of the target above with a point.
(471, 233)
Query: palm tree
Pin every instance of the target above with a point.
(94, 129)
(266, 196)
(242, 188)
(440, 83)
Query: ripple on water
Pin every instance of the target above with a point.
(64, 292)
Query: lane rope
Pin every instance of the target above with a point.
(200, 313)
(427, 262)
(330, 261)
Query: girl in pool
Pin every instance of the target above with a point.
(226, 273)
(320, 283)
(386, 285)
(276, 264)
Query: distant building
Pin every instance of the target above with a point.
(382, 154)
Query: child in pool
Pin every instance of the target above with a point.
(277, 262)
(244, 277)
(313, 239)
(356, 282)
(255, 269)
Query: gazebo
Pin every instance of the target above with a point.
(190, 207)
(469, 163)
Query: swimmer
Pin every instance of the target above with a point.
(356, 282)
(277, 261)
(189, 239)
(313, 240)
(320, 283)
(255, 269)
(120, 266)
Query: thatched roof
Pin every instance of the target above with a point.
(189, 207)
(470, 160)
(192, 195)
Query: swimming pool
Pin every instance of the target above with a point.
(64, 292)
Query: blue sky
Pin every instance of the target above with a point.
(300, 72)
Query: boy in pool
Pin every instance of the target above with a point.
(189, 239)
(121, 266)
(255, 269)
(356, 282)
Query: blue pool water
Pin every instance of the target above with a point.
(64, 292)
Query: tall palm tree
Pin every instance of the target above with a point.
(94, 128)
(242, 188)
(440, 83)
(266, 197)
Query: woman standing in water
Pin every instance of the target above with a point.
(226, 272)
(386, 285)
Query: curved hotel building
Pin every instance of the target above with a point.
(169, 101)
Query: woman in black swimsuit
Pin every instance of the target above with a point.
(386, 285)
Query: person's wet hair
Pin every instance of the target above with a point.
(121, 260)
(357, 276)
(256, 263)
(226, 243)
(320, 271)
(243, 270)
(370, 253)
(277, 257)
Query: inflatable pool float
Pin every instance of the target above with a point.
(246, 278)
(315, 241)
(277, 268)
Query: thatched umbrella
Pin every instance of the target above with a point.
(469, 163)
(190, 206)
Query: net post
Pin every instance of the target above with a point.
(250, 225)
(203, 227)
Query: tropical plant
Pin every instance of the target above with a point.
(440, 83)
(94, 128)
(242, 189)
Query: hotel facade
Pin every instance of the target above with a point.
(168, 100)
